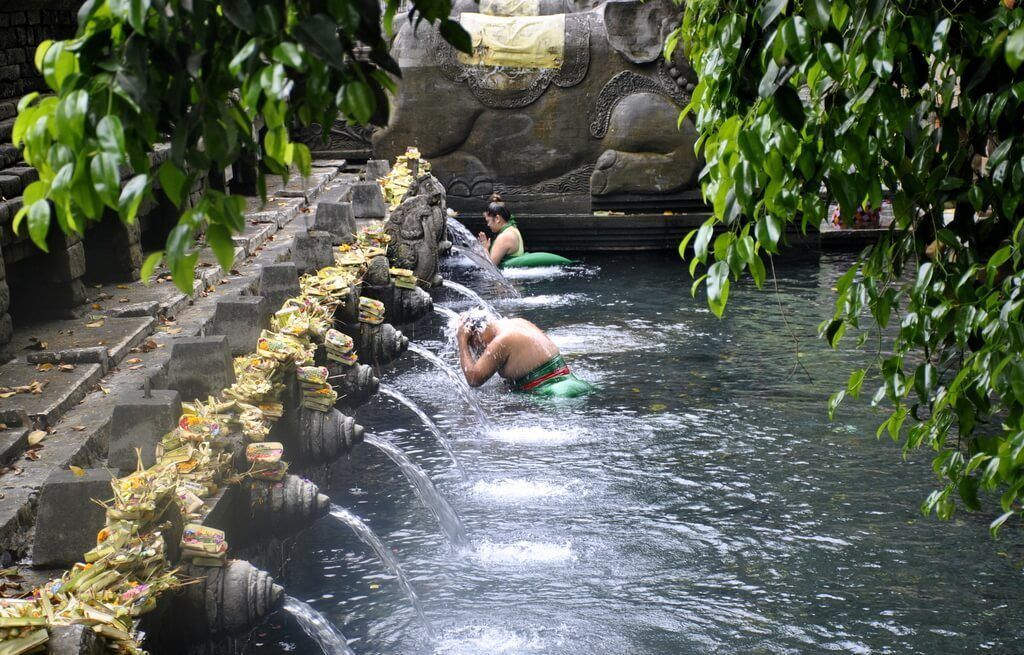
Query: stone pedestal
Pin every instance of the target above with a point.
(277, 283)
(67, 519)
(368, 200)
(199, 367)
(312, 251)
(140, 423)
(336, 219)
(240, 319)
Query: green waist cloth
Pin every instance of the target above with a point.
(552, 378)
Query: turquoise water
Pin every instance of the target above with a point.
(700, 502)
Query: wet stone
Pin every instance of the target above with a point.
(277, 283)
(312, 251)
(336, 219)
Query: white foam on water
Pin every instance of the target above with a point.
(546, 300)
(512, 489)
(488, 640)
(533, 435)
(534, 272)
(523, 552)
(586, 338)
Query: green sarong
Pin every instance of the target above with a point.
(552, 378)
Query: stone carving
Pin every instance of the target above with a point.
(325, 436)
(501, 87)
(355, 384)
(417, 228)
(622, 85)
(520, 130)
(342, 139)
(402, 306)
(288, 505)
(380, 344)
(228, 600)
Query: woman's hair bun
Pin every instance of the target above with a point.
(496, 198)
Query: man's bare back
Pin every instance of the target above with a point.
(512, 348)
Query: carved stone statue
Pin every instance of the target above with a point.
(417, 229)
(557, 106)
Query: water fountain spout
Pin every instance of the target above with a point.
(460, 383)
(424, 489)
(465, 243)
(323, 632)
(427, 421)
(386, 557)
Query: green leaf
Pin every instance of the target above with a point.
(137, 11)
(223, 247)
(71, 114)
(456, 35)
(1015, 48)
(768, 232)
(240, 13)
(131, 197)
(700, 244)
(289, 53)
(110, 133)
(173, 182)
(790, 106)
(718, 287)
(994, 526)
(358, 101)
(39, 223)
(856, 381)
(833, 403)
(242, 56)
(319, 35)
(148, 266)
(818, 13)
(303, 159)
(106, 178)
(686, 242)
(771, 9)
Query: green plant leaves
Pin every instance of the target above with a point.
(718, 287)
(173, 182)
(319, 35)
(456, 35)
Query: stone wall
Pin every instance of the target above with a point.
(21, 30)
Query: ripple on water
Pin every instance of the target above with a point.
(534, 435)
(545, 300)
(548, 272)
(514, 490)
(489, 640)
(522, 552)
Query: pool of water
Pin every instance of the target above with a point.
(699, 502)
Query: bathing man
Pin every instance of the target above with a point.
(519, 352)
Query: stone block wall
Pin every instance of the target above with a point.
(21, 30)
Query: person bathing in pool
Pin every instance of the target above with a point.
(508, 241)
(519, 352)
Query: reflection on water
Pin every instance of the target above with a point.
(700, 502)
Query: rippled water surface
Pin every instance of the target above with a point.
(700, 502)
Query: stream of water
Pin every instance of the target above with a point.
(320, 631)
(699, 502)
(457, 380)
(426, 420)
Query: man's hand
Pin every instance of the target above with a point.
(462, 333)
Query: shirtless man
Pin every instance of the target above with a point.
(519, 352)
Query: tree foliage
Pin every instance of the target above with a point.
(197, 74)
(805, 101)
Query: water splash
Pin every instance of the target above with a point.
(424, 489)
(317, 628)
(452, 326)
(427, 421)
(386, 557)
(467, 245)
(472, 295)
(459, 382)
(523, 552)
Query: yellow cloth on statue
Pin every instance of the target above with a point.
(515, 41)
(510, 7)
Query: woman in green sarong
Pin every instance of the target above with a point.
(519, 352)
(506, 249)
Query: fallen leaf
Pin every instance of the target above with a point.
(122, 286)
(175, 330)
(134, 360)
(104, 296)
(36, 344)
(104, 390)
(44, 367)
(7, 394)
(136, 367)
(95, 324)
(32, 454)
(67, 367)
(96, 306)
(77, 470)
(78, 428)
(35, 436)
(123, 300)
